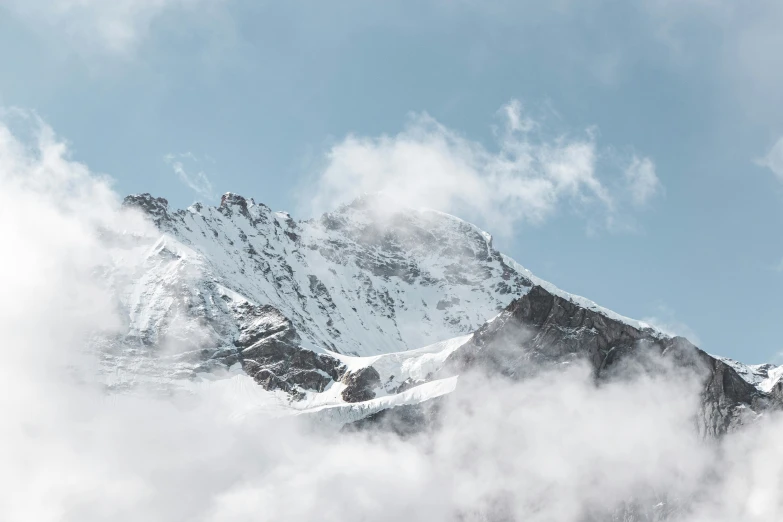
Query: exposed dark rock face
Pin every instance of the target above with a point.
(270, 352)
(230, 202)
(405, 421)
(360, 268)
(156, 208)
(541, 330)
(359, 385)
(777, 392)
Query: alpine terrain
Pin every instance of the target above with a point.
(369, 314)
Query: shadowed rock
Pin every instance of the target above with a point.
(541, 330)
(359, 385)
(270, 352)
(405, 421)
(155, 208)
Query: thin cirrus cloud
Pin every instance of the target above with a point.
(665, 320)
(114, 27)
(526, 178)
(747, 59)
(642, 181)
(774, 159)
(194, 178)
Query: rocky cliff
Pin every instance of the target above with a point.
(374, 308)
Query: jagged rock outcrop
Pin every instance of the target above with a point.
(355, 281)
(352, 282)
(155, 208)
(270, 351)
(541, 330)
(777, 392)
(360, 385)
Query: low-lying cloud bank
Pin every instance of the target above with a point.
(553, 448)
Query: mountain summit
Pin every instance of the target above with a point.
(369, 309)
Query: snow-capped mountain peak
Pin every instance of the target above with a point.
(334, 311)
(350, 282)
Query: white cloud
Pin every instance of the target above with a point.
(735, 45)
(526, 179)
(515, 120)
(643, 183)
(102, 26)
(748, 58)
(774, 159)
(555, 447)
(197, 180)
(667, 322)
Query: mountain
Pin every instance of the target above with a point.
(370, 313)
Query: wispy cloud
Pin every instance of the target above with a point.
(553, 447)
(194, 178)
(774, 159)
(643, 183)
(666, 320)
(747, 60)
(527, 177)
(103, 26)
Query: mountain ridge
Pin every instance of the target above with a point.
(334, 311)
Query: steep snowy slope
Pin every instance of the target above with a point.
(763, 376)
(333, 312)
(362, 280)
(354, 282)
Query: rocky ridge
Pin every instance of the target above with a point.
(541, 331)
(333, 312)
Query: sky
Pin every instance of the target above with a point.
(628, 152)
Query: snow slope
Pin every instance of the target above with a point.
(762, 376)
(365, 287)
(350, 282)
(357, 281)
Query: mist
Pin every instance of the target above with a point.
(556, 447)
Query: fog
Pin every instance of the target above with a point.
(556, 447)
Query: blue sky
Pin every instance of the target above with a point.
(627, 152)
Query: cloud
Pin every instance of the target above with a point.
(744, 72)
(774, 159)
(667, 322)
(113, 27)
(747, 58)
(643, 183)
(515, 121)
(196, 181)
(525, 179)
(555, 447)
